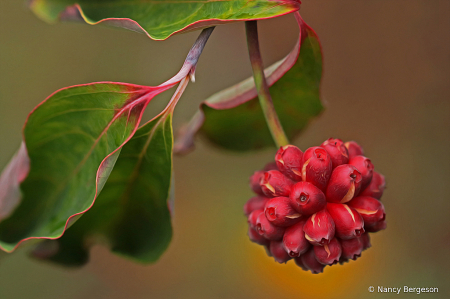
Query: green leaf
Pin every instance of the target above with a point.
(132, 212)
(233, 118)
(72, 141)
(163, 18)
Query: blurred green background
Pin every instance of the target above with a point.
(385, 85)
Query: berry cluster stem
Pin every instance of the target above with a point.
(262, 88)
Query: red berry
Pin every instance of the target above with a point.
(328, 254)
(352, 248)
(294, 240)
(316, 167)
(310, 262)
(349, 223)
(344, 183)
(318, 207)
(377, 227)
(371, 209)
(255, 180)
(280, 212)
(254, 203)
(267, 229)
(337, 151)
(289, 161)
(376, 186)
(274, 184)
(251, 219)
(307, 199)
(365, 239)
(257, 238)
(298, 261)
(277, 250)
(319, 228)
(267, 249)
(365, 167)
(354, 149)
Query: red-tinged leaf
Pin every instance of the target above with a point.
(233, 119)
(160, 19)
(133, 211)
(71, 143)
(73, 139)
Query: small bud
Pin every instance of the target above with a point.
(280, 212)
(354, 149)
(267, 229)
(316, 167)
(274, 184)
(253, 217)
(289, 161)
(337, 151)
(307, 199)
(371, 209)
(352, 248)
(254, 203)
(344, 183)
(328, 254)
(319, 228)
(309, 261)
(365, 239)
(255, 180)
(365, 167)
(376, 186)
(257, 238)
(380, 225)
(349, 223)
(294, 240)
(279, 254)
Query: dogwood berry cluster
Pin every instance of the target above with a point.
(316, 207)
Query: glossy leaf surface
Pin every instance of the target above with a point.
(70, 145)
(132, 212)
(161, 18)
(72, 141)
(233, 119)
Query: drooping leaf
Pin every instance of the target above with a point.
(160, 19)
(233, 118)
(132, 212)
(72, 141)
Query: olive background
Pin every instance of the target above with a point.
(385, 85)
